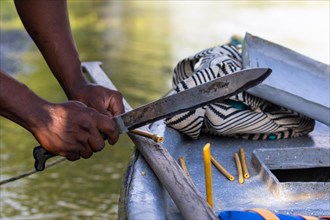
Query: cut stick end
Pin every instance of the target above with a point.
(207, 147)
(241, 180)
(158, 139)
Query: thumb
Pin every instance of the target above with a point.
(116, 105)
(108, 128)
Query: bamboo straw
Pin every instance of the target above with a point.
(244, 165)
(155, 137)
(222, 169)
(183, 165)
(208, 173)
(239, 169)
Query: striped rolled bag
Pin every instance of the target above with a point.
(241, 116)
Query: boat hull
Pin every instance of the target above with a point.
(144, 197)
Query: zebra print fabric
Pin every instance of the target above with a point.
(243, 115)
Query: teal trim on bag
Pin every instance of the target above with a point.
(236, 104)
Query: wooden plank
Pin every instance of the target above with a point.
(181, 188)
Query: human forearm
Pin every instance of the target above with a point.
(48, 24)
(18, 103)
(70, 129)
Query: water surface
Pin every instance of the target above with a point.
(139, 43)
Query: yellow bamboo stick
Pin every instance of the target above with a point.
(208, 173)
(222, 169)
(246, 173)
(183, 165)
(239, 169)
(155, 137)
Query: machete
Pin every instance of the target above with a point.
(215, 90)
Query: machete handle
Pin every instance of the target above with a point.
(40, 157)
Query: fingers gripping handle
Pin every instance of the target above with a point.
(40, 157)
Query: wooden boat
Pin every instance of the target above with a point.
(289, 176)
(143, 196)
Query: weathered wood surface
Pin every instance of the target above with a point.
(180, 187)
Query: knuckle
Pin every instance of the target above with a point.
(92, 113)
(86, 155)
(86, 125)
(112, 127)
(77, 104)
(99, 148)
(73, 157)
(117, 95)
(98, 145)
(113, 138)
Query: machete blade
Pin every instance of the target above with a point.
(217, 89)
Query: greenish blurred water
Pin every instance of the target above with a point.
(139, 42)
